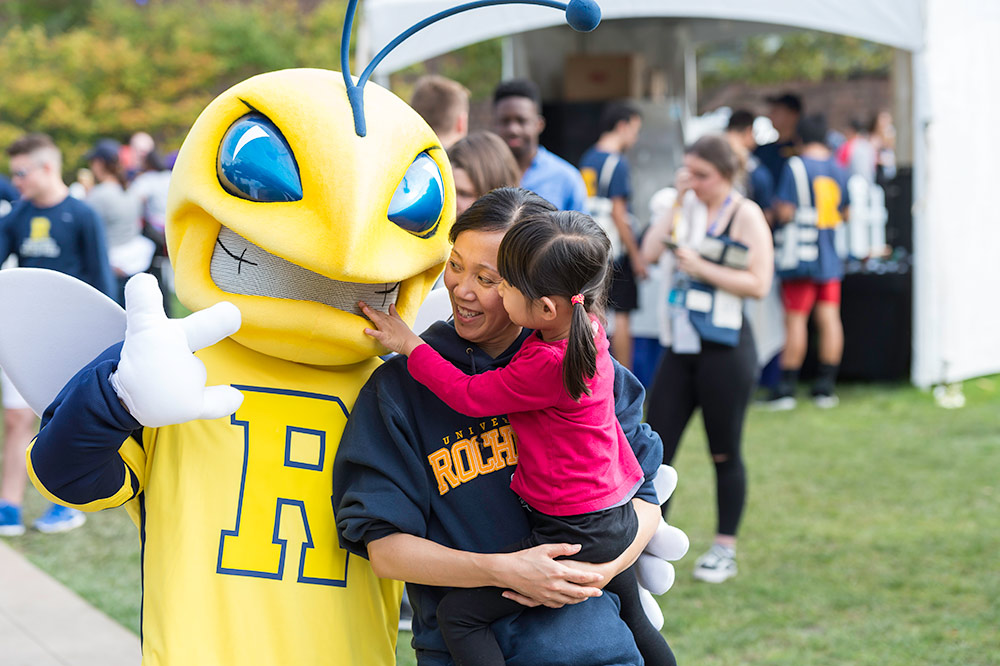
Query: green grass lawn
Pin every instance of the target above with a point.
(870, 537)
(99, 561)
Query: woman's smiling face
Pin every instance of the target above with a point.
(472, 279)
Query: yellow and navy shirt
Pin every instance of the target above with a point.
(828, 189)
(241, 562)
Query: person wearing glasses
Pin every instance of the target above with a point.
(46, 228)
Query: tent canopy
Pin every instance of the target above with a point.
(948, 81)
(897, 23)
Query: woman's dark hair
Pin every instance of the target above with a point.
(715, 150)
(152, 162)
(499, 210)
(114, 167)
(562, 253)
(487, 160)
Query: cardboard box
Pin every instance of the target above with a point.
(603, 76)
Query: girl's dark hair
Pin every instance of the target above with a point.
(487, 160)
(562, 253)
(715, 150)
(499, 210)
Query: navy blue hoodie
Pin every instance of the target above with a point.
(408, 463)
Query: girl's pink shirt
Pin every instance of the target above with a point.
(573, 456)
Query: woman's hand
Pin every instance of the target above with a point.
(683, 182)
(535, 578)
(606, 570)
(640, 269)
(649, 520)
(391, 330)
(689, 261)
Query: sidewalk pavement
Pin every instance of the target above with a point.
(44, 624)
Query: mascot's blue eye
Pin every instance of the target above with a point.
(256, 163)
(419, 198)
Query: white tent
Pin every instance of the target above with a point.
(947, 77)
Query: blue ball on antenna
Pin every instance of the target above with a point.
(583, 15)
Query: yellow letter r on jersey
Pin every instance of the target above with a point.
(285, 494)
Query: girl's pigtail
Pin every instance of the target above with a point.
(580, 363)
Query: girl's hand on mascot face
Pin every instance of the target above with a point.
(391, 330)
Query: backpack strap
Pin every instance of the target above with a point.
(802, 188)
(607, 173)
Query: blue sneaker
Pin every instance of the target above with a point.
(10, 520)
(60, 519)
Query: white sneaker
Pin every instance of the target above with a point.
(824, 401)
(717, 565)
(778, 402)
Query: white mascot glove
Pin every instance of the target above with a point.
(654, 571)
(159, 379)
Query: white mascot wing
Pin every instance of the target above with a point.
(53, 325)
(436, 307)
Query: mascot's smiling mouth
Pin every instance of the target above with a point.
(240, 267)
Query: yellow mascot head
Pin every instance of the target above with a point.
(278, 206)
(299, 193)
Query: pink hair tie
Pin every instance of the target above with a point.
(577, 300)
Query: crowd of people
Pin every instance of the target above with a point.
(741, 223)
(104, 228)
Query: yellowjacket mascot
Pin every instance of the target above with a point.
(278, 208)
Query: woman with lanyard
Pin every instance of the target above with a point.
(710, 360)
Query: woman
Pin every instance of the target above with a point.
(480, 163)
(698, 370)
(128, 251)
(150, 189)
(424, 492)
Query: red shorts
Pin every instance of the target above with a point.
(801, 295)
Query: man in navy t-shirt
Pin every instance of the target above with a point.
(784, 112)
(48, 229)
(820, 289)
(605, 172)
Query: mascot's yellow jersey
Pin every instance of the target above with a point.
(239, 546)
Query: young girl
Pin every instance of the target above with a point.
(576, 472)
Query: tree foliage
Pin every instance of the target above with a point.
(53, 15)
(84, 70)
(794, 56)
